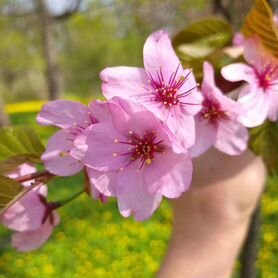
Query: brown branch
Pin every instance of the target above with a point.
(25, 191)
(32, 176)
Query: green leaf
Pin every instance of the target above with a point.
(260, 22)
(17, 146)
(201, 41)
(17, 141)
(12, 162)
(9, 189)
(213, 32)
(264, 142)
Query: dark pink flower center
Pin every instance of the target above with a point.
(169, 92)
(49, 208)
(267, 76)
(141, 148)
(212, 111)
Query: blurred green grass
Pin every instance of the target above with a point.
(93, 240)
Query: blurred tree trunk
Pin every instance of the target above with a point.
(233, 11)
(4, 118)
(50, 51)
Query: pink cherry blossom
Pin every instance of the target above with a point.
(162, 86)
(238, 39)
(31, 216)
(260, 97)
(66, 147)
(275, 19)
(217, 123)
(132, 158)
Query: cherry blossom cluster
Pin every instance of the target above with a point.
(138, 145)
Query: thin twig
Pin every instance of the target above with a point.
(33, 176)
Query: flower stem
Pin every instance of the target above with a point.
(71, 198)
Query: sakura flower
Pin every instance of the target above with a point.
(260, 98)
(217, 123)
(238, 39)
(66, 147)
(31, 216)
(162, 86)
(132, 158)
(62, 154)
(275, 20)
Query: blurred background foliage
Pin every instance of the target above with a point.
(84, 40)
(56, 48)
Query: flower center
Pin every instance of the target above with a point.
(268, 76)
(212, 112)
(168, 92)
(141, 148)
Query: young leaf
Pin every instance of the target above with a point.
(213, 32)
(19, 143)
(12, 162)
(9, 189)
(203, 40)
(264, 142)
(260, 22)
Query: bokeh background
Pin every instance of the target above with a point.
(55, 49)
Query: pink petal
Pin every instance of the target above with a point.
(128, 116)
(126, 82)
(232, 137)
(100, 111)
(169, 174)
(57, 158)
(104, 152)
(29, 241)
(97, 195)
(205, 137)
(192, 96)
(254, 53)
(63, 113)
(183, 128)
(80, 147)
(104, 182)
(238, 39)
(211, 91)
(238, 72)
(160, 55)
(22, 170)
(133, 196)
(255, 105)
(26, 214)
(273, 109)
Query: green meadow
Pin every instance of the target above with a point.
(93, 240)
